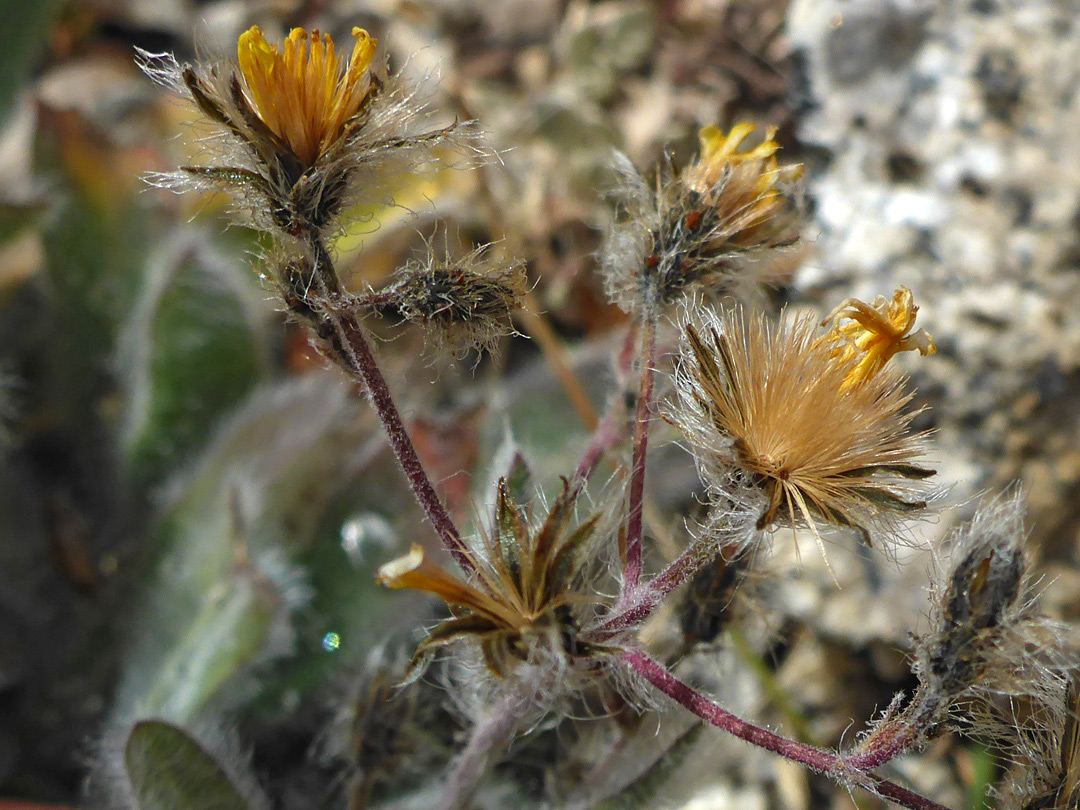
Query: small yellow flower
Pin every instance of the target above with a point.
(873, 333)
(748, 185)
(307, 92)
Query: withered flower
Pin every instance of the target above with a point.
(300, 130)
(527, 602)
(468, 302)
(873, 333)
(993, 668)
(768, 409)
(708, 228)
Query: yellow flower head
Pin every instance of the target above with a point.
(306, 92)
(750, 184)
(868, 335)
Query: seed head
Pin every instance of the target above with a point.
(993, 668)
(707, 229)
(767, 408)
(463, 304)
(528, 599)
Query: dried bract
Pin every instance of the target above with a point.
(707, 229)
(300, 130)
(984, 625)
(528, 600)
(766, 408)
(992, 666)
(468, 302)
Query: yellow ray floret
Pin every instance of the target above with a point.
(753, 175)
(868, 335)
(306, 92)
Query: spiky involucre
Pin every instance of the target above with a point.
(531, 592)
(465, 304)
(993, 667)
(715, 228)
(764, 407)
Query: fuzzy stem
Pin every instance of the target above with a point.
(639, 604)
(361, 362)
(492, 730)
(826, 762)
(887, 742)
(608, 433)
(354, 352)
(632, 570)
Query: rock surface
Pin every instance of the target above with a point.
(948, 135)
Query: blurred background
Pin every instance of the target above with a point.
(192, 505)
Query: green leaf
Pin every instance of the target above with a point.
(169, 770)
(224, 586)
(27, 26)
(225, 636)
(192, 348)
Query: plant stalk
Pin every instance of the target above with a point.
(829, 763)
(491, 731)
(354, 352)
(632, 569)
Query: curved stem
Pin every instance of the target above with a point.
(353, 351)
(538, 327)
(829, 763)
(609, 431)
(637, 605)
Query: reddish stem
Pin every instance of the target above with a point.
(608, 433)
(610, 430)
(827, 762)
(632, 570)
(359, 360)
(886, 743)
(639, 605)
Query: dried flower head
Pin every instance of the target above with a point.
(707, 228)
(870, 334)
(984, 625)
(468, 302)
(300, 130)
(767, 408)
(526, 602)
(992, 667)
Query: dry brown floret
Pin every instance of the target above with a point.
(526, 603)
(769, 406)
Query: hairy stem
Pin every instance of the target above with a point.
(632, 570)
(353, 351)
(829, 763)
(609, 431)
(491, 731)
(887, 742)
